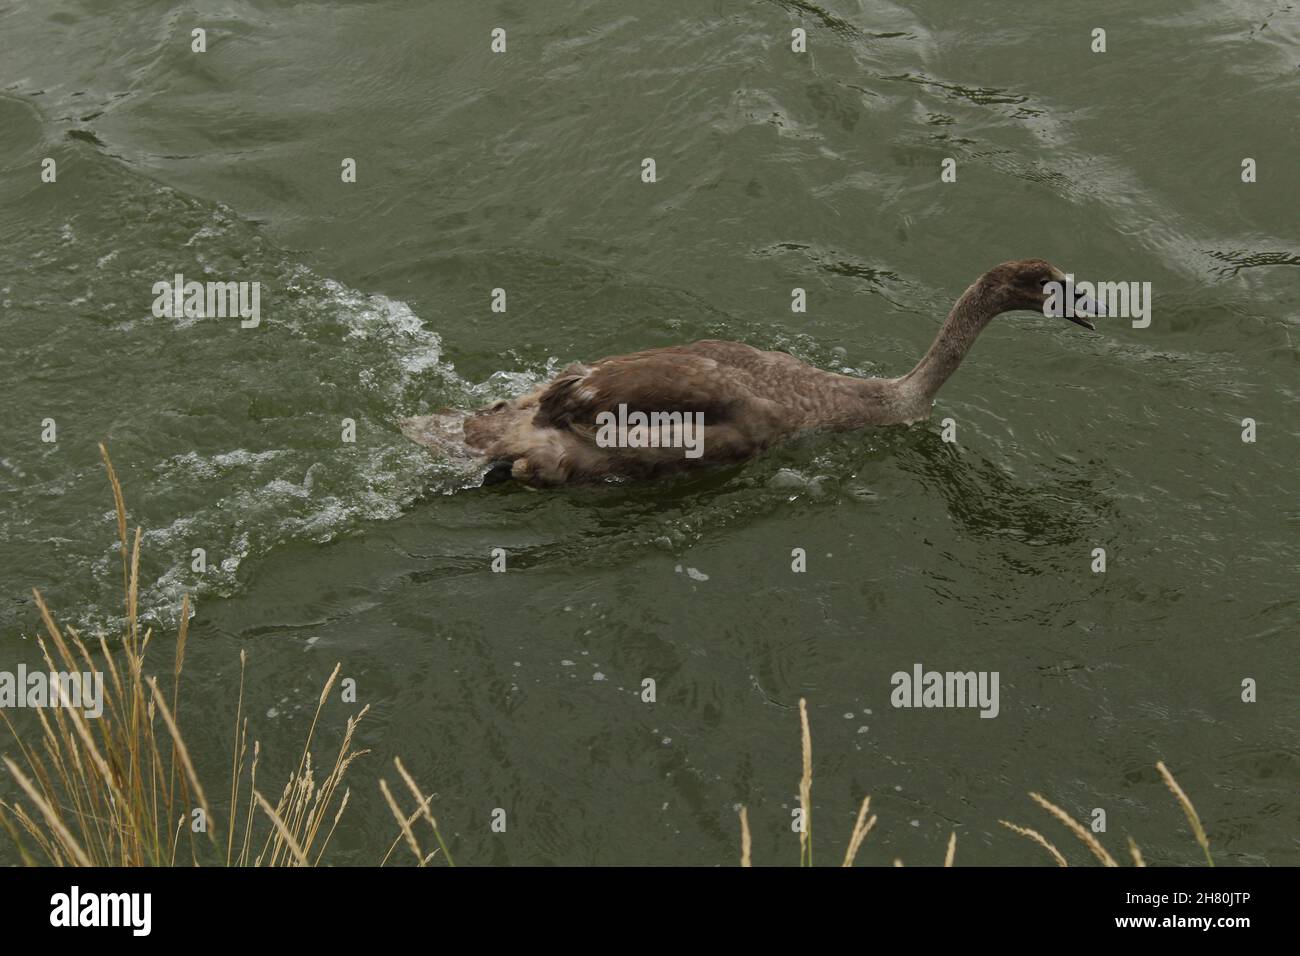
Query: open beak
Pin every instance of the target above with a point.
(1085, 307)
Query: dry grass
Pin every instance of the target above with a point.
(1189, 811)
(1094, 845)
(863, 826)
(116, 790)
(404, 822)
(1077, 828)
(805, 789)
(746, 842)
(122, 789)
(119, 790)
(1038, 838)
(1135, 853)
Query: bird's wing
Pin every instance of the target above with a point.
(660, 380)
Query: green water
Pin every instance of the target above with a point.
(522, 690)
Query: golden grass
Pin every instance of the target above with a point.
(746, 842)
(1038, 838)
(110, 791)
(119, 790)
(1094, 845)
(1189, 811)
(805, 789)
(104, 791)
(1135, 852)
(422, 809)
(863, 826)
(1077, 828)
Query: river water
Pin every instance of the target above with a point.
(523, 690)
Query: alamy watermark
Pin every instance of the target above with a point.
(1124, 300)
(38, 688)
(651, 430)
(203, 300)
(75, 909)
(922, 688)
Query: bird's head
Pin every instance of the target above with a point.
(1028, 284)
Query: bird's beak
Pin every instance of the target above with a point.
(1085, 306)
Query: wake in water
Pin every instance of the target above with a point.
(443, 433)
(228, 446)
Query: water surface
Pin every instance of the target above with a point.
(520, 171)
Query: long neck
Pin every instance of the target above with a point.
(972, 312)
